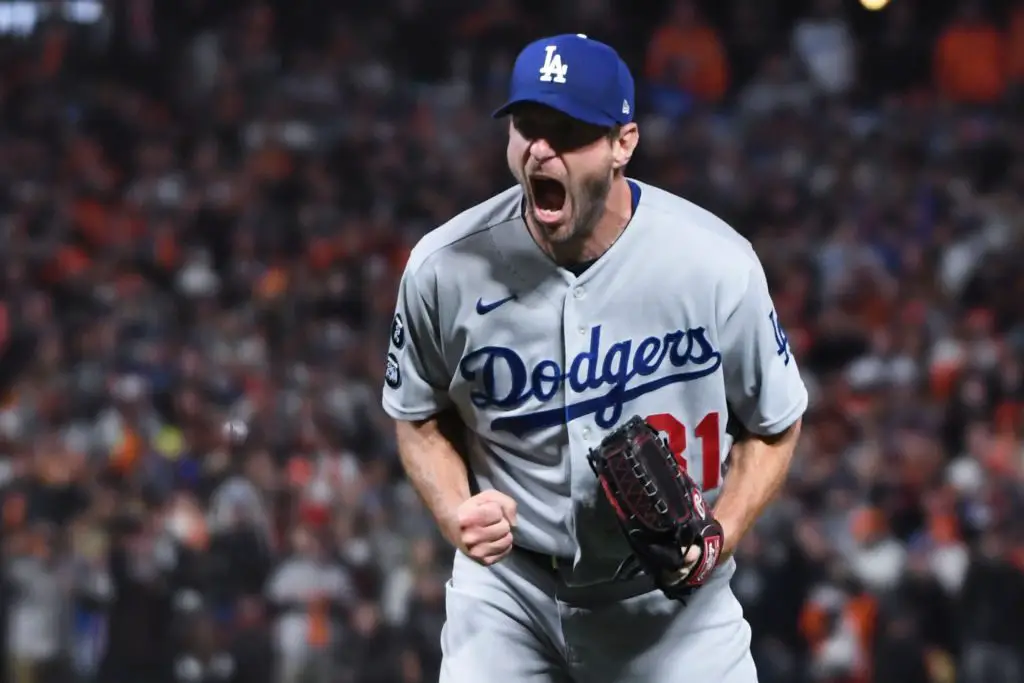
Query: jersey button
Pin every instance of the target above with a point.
(586, 433)
(582, 329)
(578, 292)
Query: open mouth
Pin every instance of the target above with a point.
(548, 198)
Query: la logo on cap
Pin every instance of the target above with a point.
(553, 70)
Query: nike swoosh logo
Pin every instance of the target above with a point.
(484, 309)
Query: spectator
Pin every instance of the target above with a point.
(771, 584)
(374, 651)
(901, 657)
(839, 622)
(948, 556)
(402, 580)
(970, 58)
(251, 646)
(686, 57)
(495, 28)
(424, 620)
(920, 598)
(241, 530)
(877, 558)
(139, 625)
(823, 43)
(992, 597)
(94, 594)
(37, 618)
(307, 592)
(200, 659)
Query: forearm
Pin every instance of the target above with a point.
(437, 471)
(757, 470)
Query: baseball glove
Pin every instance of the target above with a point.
(673, 535)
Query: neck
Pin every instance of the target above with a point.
(618, 209)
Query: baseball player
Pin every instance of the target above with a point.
(529, 327)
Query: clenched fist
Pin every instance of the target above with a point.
(485, 526)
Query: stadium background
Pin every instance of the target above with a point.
(205, 206)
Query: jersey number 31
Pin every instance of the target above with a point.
(707, 431)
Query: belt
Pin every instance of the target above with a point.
(549, 563)
(597, 593)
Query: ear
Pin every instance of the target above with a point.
(624, 144)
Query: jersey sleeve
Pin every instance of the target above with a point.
(416, 378)
(763, 384)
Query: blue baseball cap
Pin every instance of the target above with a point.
(580, 77)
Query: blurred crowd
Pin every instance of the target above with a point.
(205, 207)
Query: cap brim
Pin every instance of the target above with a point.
(558, 102)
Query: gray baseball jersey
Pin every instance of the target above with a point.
(674, 323)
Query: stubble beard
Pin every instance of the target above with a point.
(588, 206)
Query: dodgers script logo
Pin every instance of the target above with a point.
(503, 379)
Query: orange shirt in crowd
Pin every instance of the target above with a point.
(692, 58)
(970, 63)
(319, 633)
(859, 614)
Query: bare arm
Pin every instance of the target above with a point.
(436, 470)
(757, 469)
(428, 429)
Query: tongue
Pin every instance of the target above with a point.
(550, 194)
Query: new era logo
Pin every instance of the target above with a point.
(625, 107)
(553, 70)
